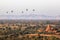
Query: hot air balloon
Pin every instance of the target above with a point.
(22, 11)
(11, 11)
(26, 9)
(33, 9)
(7, 12)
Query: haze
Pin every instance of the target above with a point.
(42, 7)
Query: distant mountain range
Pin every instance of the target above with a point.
(30, 16)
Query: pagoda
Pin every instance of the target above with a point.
(48, 29)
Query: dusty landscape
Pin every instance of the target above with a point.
(29, 29)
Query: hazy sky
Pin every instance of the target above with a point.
(46, 7)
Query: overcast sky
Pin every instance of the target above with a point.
(42, 7)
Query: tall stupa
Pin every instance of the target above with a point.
(48, 29)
